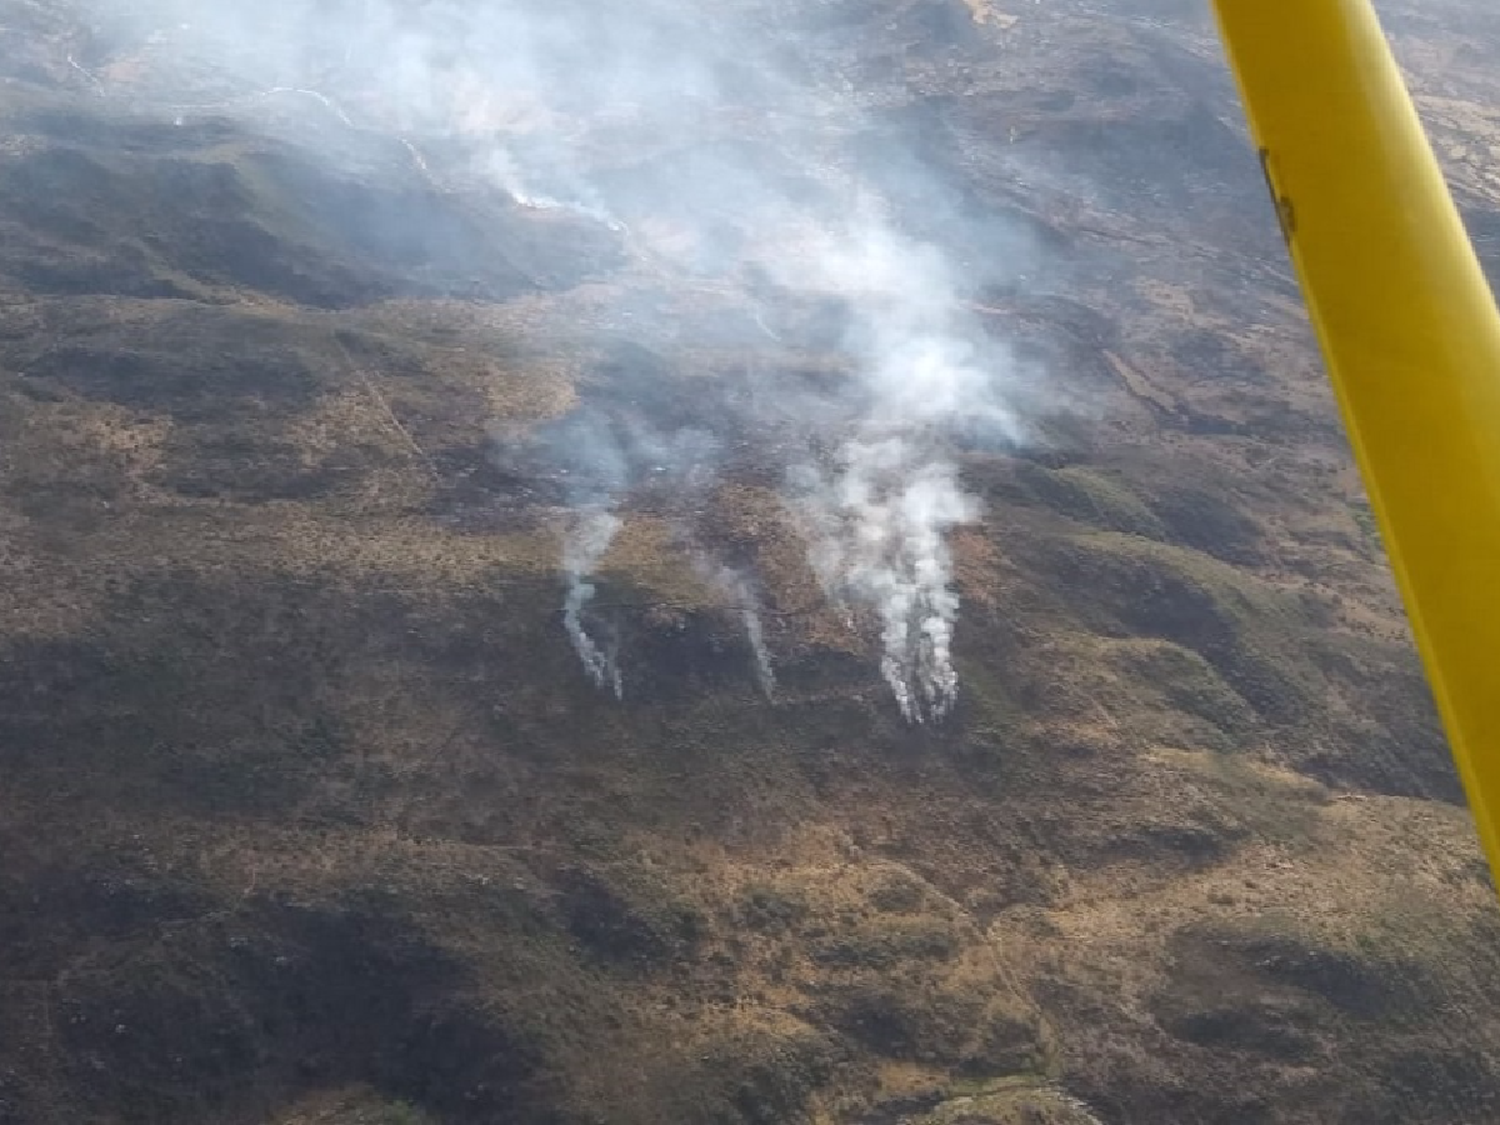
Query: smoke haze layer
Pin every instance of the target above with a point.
(725, 147)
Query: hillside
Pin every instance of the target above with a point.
(311, 813)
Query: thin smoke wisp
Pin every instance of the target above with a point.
(743, 597)
(586, 543)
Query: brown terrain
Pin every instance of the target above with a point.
(310, 816)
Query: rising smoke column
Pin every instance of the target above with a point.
(605, 457)
(878, 525)
(749, 606)
(878, 518)
(600, 108)
(600, 472)
(593, 530)
(740, 590)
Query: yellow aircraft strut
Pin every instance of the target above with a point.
(1409, 331)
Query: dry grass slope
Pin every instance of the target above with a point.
(310, 817)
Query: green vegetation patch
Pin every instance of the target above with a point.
(1249, 632)
(1092, 496)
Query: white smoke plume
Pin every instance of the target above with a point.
(740, 590)
(593, 530)
(878, 529)
(604, 458)
(879, 522)
(712, 142)
(765, 672)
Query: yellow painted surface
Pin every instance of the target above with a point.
(1409, 331)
